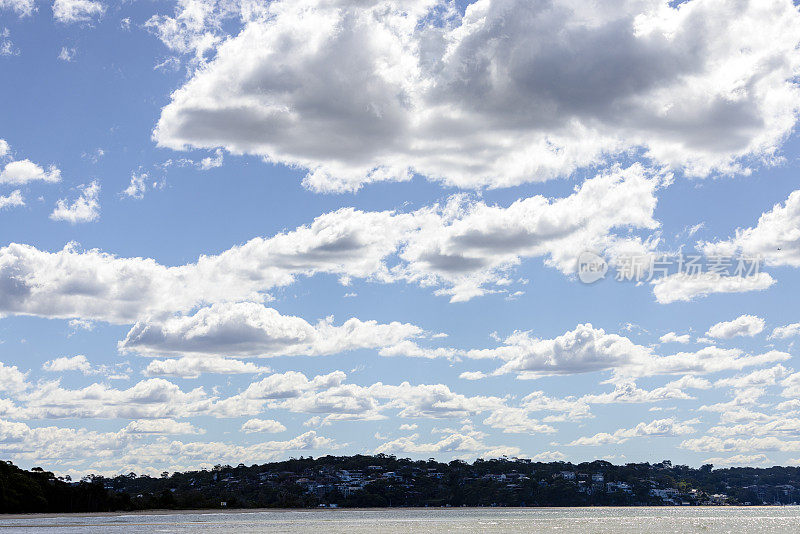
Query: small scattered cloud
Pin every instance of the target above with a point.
(744, 325)
(85, 208)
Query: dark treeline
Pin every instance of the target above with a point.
(384, 480)
(39, 491)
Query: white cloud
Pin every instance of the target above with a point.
(85, 208)
(672, 337)
(81, 324)
(67, 54)
(783, 332)
(75, 363)
(12, 380)
(161, 427)
(329, 395)
(196, 26)
(791, 386)
(744, 325)
(6, 49)
(683, 287)
(738, 460)
(466, 246)
(549, 456)
(24, 171)
(759, 378)
(188, 367)
(775, 239)
(70, 11)
(629, 392)
(659, 428)
(566, 409)
(462, 247)
(138, 186)
(78, 451)
(251, 329)
(12, 200)
(4, 148)
(457, 442)
(740, 407)
(516, 421)
(410, 349)
(212, 162)
(587, 349)
(740, 445)
(80, 363)
(262, 425)
(777, 425)
(22, 7)
(148, 399)
(506, 93)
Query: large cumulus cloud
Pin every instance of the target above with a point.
(509, 91)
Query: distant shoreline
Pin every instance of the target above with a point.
(218, 511)
(386, 482)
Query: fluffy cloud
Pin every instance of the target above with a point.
(250, 329)
(516, 421)
(783, 332)
(672, 337)
(549, 456)
(582, 350)
(329, 395)
(70, 11)
(188, 367)
(461, 246)
(759, 378)
(659, 427)
(587, 349)
(744, 325)
(779, 426)
(566, 409)
(262, 425)
(791, 386)
(683, 287)
(508, 92)
(118, 371)
(21, 7)
(196, 27)
(12, 200)
(78, 451)
(457, 442)
(469, 245)
(12, 380)
(137, 188)
(25, 171)
(153, 398)
(738, 460)
(629, 392)
(740, 445)
(67, 54)
(775, 239)
(65, 363)
(161, 427)
(21, 442)
(85, 208)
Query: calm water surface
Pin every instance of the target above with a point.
(540, 520)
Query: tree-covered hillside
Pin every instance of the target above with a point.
(383, 480)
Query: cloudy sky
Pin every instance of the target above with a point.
(237, 231)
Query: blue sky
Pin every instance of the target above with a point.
(235, 231)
